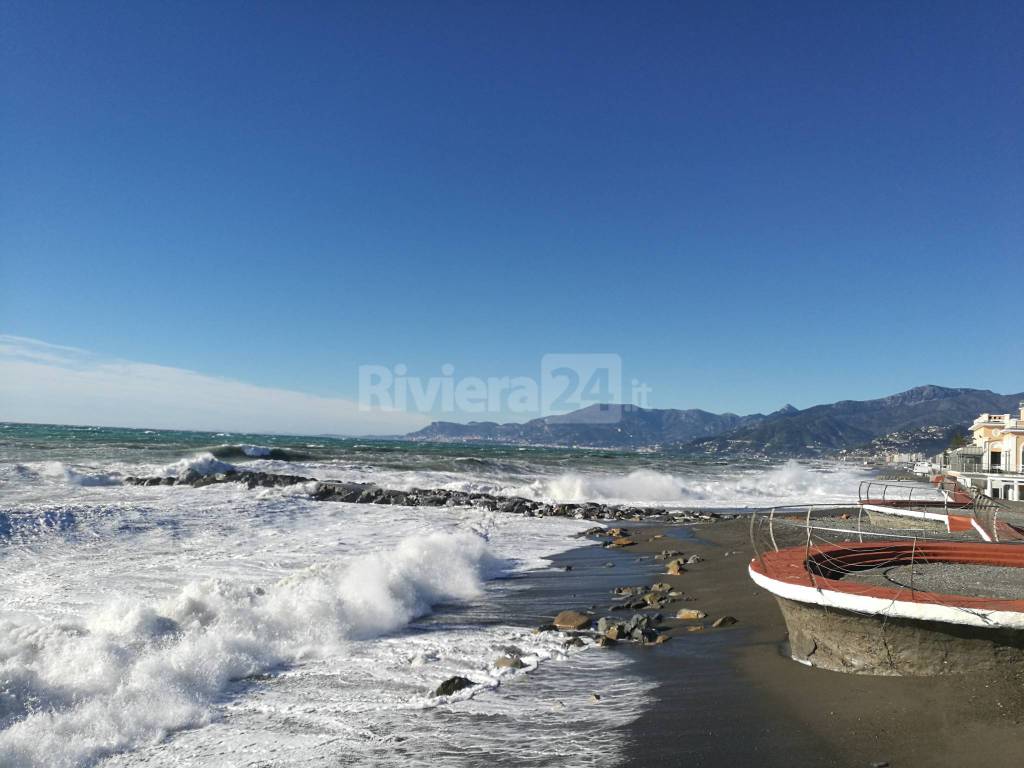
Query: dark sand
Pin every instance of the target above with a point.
(732, 697)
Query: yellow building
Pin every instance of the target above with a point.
(994, 463)
(1001, 438)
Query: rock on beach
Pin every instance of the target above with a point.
(572, 620)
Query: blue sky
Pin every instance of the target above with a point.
(751, 203)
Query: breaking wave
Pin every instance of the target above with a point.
(204, 464)
(56, 470)
(791, 482)
(244, 451)
(143, 671)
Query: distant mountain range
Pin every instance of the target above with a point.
(928, 415)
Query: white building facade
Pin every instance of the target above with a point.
(994, 462)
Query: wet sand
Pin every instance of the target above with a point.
(732, 697)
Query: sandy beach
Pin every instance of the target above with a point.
(731, 696)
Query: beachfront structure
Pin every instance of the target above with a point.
(994, 461)
(872, 600)
(900, 607)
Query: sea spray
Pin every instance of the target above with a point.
(73, 476)
(204, 464)
(792, 482)
(209, 632)
(130, 673)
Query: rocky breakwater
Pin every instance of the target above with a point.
(364, 493)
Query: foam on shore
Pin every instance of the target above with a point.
(133, 672)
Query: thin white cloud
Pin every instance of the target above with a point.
(41, 382)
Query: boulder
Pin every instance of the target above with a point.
(643, 635)
(690, 614)
(615, 632)
(638, 621)
(509, 662)
(370, 496)
(571, 620)
(452, 685)
(394, 497)
(622, 541)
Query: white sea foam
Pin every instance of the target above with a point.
(204, 463)
(59, 470)
(790, 483)
(220, 584)
(131, 673)
(691, 485)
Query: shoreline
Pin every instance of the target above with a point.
(732, 696)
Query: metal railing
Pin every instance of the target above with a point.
(837, 553)
(979, 460)
(810, 526)
(984, 511)
(872, 491)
